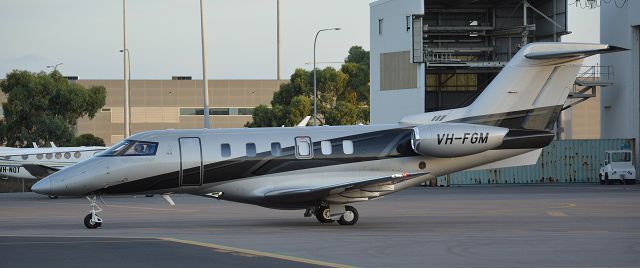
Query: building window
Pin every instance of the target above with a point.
(106, 109)
(408, 20)
(251, 149)
(225, 150)
(276, 149)
(380, 24)
(217, 111)
(245, 111)
(347, 147)
(325, 147)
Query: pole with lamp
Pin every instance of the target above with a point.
(55, 67)
(315, 90)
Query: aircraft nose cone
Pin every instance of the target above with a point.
(42, 186)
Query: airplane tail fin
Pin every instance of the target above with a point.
(536, 81)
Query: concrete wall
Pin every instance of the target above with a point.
(389, 106)
(620, 104)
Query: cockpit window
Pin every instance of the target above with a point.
(131, 148)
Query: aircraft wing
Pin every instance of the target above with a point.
(360, 186)
(40, 171)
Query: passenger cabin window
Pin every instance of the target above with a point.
(39, 156)
(304, 147)
(67, 155)
(251, 149)
(347, 147)
(24, 157)
(58, 155)
(49, 156)
(225, 150)
(276, 149)
(77, 154)
(325, 147)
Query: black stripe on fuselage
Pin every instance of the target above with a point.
(376, 145)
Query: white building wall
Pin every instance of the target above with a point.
(620, 104)
(390, 106)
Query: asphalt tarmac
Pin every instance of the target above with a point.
(488, 226)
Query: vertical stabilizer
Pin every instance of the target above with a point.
(540, 75)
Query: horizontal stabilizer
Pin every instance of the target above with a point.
(561, 54)
(526, 159)
(40, 171)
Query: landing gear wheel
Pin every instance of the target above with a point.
(350, 216)
(92, 220)
(323, 214)
(53, 197)
(90, 223)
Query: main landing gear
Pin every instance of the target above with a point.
(346, 215)
(92, 220)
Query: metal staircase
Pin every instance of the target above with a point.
(589, 78)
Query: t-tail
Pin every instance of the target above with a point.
(539, 77)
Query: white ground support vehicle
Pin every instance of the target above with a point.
(618, 166)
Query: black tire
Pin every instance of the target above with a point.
(347, 219)
(600, 178)
(323, 214)
(89, 223)
(630, 181)
(606, 179)
(148, 195)
(53, 197)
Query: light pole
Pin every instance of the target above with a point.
(55, 67)
(128, 81)
(205, 82)
(278, 38)
(127, 129)
(315, 90)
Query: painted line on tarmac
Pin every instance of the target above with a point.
(557, 214)
(79, 242)
(567, 205)
(222, 248)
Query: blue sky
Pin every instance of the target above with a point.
(164, 36)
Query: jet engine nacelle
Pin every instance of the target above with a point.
(455, 139)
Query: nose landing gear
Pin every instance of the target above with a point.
(92, 220)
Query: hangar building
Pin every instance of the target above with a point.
(620, 105)
(429, 55)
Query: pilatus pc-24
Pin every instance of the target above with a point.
(322, 169)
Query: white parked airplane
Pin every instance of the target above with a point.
(37, 163)
(321, 169)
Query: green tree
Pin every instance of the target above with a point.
(44, 107)
(87, 139)
(343, 95)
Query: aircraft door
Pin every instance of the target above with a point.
(190, 162)
(304, 148)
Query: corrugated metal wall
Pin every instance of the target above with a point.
(563, 161)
